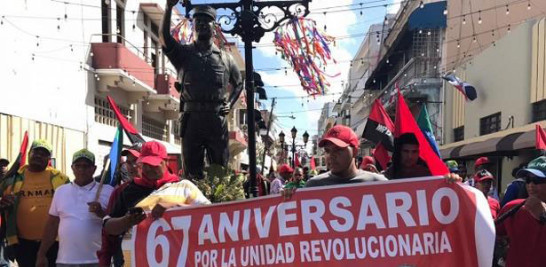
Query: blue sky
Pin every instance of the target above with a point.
(307, 110)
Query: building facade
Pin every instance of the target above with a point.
(61, 61)
(500, 123)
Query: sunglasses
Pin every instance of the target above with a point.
(535, 180)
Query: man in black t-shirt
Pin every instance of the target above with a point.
(340, 146)
(123, 216)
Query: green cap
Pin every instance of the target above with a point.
(83, 154)
(452, 165)
(42, 143)
(536, 167)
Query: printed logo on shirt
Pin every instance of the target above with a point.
(37, 193)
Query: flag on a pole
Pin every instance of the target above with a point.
(379, 129)
(297, 162)
(130, 131)
(115, 155)
(21, 157)
(466, 89)
(405, 123)
(426, 127)
(379, 126)
(540, 142)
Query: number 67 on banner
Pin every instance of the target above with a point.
(156, 236)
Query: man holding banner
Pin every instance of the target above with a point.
(340, 145)
(405, 159)
(123, 215)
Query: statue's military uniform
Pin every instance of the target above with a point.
(204, 95)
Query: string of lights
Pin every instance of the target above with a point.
(458, 40)
(466, 54)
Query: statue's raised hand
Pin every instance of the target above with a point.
(172, 3)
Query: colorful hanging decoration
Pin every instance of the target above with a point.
(183, 33)
(306, 49)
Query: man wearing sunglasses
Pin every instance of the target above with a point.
(525, 228)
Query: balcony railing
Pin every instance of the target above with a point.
(124, 56)
(154, 129)
(416, 71)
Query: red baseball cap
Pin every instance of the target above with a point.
(285, 169)
(341, 136)
(481, 161)
(152, 153)
(483, 175)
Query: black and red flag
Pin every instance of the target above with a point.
(21, 158)
(130, 131)
(379, 129)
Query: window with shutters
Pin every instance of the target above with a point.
(458, 134)
(490, 124)
(104, 114)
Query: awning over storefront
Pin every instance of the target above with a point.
(525, 141)
(482, 147)
(505, 142)
(451, 152)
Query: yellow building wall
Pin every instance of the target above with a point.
(64, 141)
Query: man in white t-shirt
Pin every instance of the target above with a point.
(76, 216)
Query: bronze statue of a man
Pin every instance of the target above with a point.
(204, 73)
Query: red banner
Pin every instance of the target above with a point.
(411, 222)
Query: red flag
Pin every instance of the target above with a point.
(381, 154)
(405, 123)
(131, 132)
(540, 142)
(21, 158)
(297, 160)
(313, 164)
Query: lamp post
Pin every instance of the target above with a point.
(305, 138)
(294, 132)
(251, 20)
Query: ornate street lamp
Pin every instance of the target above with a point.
(294, 132)
(251, 20)
(305, 138)
(281, 138)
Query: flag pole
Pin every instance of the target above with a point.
(102, 177)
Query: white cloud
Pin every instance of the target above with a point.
(394, 7)
(269, 51)
(279, 78)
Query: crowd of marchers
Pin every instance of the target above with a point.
(48, 220)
